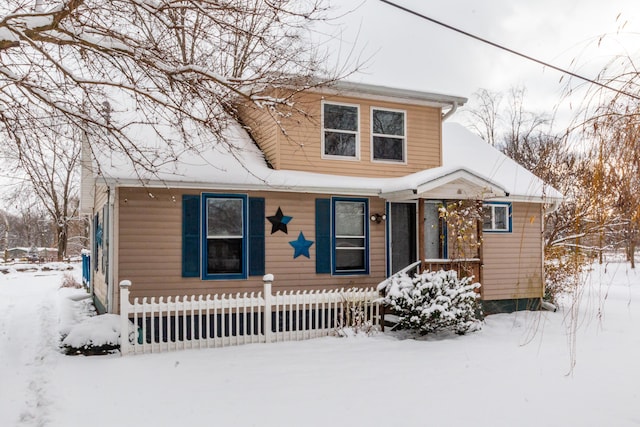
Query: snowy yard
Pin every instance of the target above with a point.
(514, 372)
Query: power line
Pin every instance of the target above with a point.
(514, 52)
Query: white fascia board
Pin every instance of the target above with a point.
(553, 201)
(483, 184)
(243, 187)
(485, 188)
(390, 94)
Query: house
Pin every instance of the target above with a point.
(344, 195)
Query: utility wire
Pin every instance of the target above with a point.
(522, 55)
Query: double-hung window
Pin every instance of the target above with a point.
(496, 217)
(350, 236)
(340, 131)
(388, 135)
(225, 230)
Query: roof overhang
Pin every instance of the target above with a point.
(389, 94)
(460, 184)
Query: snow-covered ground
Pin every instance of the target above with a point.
(515, 372)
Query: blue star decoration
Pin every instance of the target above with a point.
(279, 221)
(301, 246)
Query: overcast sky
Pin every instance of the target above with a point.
(406, 51)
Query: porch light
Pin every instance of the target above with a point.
(377, 218)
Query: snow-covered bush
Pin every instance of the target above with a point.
(434, 301)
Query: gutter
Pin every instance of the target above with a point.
(454, 108)
(364, 191)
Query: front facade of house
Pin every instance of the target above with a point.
(345, 195)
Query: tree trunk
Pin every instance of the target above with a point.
(61, 232)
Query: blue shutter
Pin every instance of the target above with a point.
(323, 236)
(190, 236)
(256, 236)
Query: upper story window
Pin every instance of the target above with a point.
(388, 135)
(496, 217)
(340, 130)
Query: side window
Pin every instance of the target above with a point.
(496, 217)
(224, 245)
(340, 131)
(388, 135)
(350, 236)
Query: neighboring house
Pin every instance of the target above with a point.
(343, 196)
(31, 254)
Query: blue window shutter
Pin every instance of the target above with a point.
(256, 236)
(323, 236)
(190, 235)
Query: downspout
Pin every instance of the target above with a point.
(111, 196)
(454, 108)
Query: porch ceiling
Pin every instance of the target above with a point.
(457, 185)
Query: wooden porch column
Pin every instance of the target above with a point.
(421, 254)
(479, 226)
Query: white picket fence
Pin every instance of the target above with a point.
(176, 323)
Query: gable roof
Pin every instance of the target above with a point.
(472, 169)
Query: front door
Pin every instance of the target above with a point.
(402, 236)
(433, 248)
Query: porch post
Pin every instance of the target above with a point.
(125, 346)
(479, 225)
(421, 254)
(268, 280)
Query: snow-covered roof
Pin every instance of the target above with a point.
(472, 169)
(462, 148)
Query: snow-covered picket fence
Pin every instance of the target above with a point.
(186, 322)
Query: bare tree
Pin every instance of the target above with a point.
(105, 67)
(576, 229)
(49, 159)
(485, 114)
(28, 224)
(609, 118)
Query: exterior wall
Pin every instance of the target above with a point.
(263, 128)
(98, 273)
(149, 251)
(299, 138)
(513, 266)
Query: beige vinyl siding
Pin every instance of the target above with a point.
(150, 246)
(513, 261)
(99, 276)
(263, 128)
(299, 138)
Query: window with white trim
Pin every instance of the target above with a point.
(340, 130)
(388, 135)
(350, 236)
(496, 217)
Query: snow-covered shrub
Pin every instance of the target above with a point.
(93, 335)
(434, 301)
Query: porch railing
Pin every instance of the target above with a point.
(465, 267)
(185, 322)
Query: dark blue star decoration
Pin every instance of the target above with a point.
(279, 221)
(301, 246)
